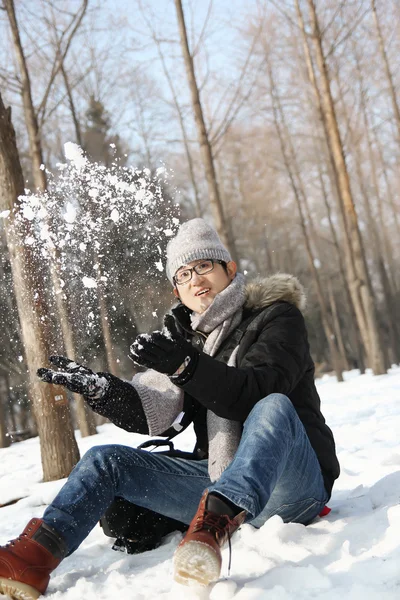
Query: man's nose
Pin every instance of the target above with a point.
(196, 277)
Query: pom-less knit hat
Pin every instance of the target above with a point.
(195, 240)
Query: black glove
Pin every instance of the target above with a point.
(166, 351)
(74, 377)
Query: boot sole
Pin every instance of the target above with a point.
(196, 562)
(17, 590)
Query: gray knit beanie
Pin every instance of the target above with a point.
(195, 240)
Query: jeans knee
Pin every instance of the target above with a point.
(272, 407)
(100, 455)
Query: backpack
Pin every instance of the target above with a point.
(137, 529)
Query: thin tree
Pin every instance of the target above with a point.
(59, 449)
(85, 419)
(4, 438)
(280, 125)
(357, 324)
(205, 145)
(382, 251)
(178, 109)
(388, 72)
(355, 256)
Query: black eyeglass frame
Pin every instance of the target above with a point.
(191, 269)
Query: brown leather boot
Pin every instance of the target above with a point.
(198, 556)
(27, 561)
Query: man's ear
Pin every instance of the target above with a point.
(232, 269)
(176, 293)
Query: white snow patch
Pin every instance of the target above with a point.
(75, 154)
(28, 212)
(89, 282)
(114, 215)
(70, 213)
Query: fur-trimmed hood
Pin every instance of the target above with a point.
(264, 291)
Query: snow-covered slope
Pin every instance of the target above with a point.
(353, 554)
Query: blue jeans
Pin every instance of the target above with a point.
(275, 472)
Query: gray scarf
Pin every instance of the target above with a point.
(222, 317)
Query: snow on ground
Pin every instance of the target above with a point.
(353, 554)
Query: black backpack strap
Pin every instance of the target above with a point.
(171, 432)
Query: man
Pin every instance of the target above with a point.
(233, 357)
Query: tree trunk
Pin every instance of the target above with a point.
(336, 359)
(392, 89)
(59, 449)
(11, 413)
(389, 192)
(183, 128)
(84, 414)
(337, 326)
(353, 331)
(105, 323)
(86, 422)
(361, 284)
(72, 108)
(349, 266)
(205, 146)
(4, 439)
(35, 150)
(373, 235)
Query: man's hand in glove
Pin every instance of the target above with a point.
(74, 377)
(166, 351)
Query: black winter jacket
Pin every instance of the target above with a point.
(273, 356)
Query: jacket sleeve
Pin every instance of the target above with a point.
(275, 362)
(122, 405)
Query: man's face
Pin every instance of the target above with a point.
(198, 293)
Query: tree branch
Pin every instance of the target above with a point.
(60, 58)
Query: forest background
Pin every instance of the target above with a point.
(278, 121)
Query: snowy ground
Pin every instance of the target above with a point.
(353, 554)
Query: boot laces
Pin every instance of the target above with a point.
(16, 540)
(219, 525)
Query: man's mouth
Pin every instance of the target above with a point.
(203, 292)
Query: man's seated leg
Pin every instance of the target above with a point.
(275, 468)
(169, 486)
(275, 471)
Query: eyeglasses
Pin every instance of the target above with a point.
(184, 275)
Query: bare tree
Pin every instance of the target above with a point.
(179, 112)
(4, 438)
(296, 186)
(58, 445)
(205, 146)
(388, 72)
(355, 257)
(86, 422)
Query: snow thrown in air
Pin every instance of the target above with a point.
(75, 154)
(88, 207)
(89, 282)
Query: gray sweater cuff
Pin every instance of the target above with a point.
(162, 401)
